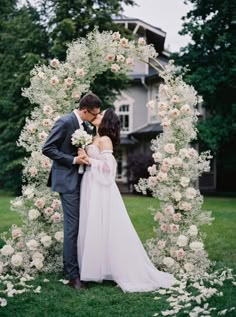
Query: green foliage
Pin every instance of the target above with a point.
(211, 57)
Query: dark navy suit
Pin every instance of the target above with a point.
(64, 179)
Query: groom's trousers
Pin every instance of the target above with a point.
(70, 205)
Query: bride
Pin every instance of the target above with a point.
(108, 245)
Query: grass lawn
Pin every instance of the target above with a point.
(106, 300)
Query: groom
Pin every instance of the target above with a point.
(65, 179)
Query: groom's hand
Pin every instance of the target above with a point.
(82, 159)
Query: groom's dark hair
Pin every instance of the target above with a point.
(90, 101)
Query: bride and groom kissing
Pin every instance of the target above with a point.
(100, 242)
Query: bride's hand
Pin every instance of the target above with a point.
(81, 152)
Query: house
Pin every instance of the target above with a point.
(138, 124)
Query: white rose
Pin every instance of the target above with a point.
(47, 110)
(54, 80)
(141, 41)
(184, 153)
(47, 123)
(196, 246)
(115, 68)
(41, 75)
(185, 206)
(179, 253)
(185, 109)
(56, 203)
(170, 148)
(168, 261)
(169, 210)
(56, 217)
(124, 42)
(164, 227)
(33, 214)
(42, 135)
(46, 241)
(193, 230)
(129, 61)
(165, 123)
(120, 58)
(157, 156)
(174, 228)
(182, 240)
(151, 104)
(174, 99)
(59, 236)
(158, 215)
(17, 260)
(7, 250)
(80, 72)
(76, 95)
(37, 263)
(32, 245)
(177, 161)
(161, 244)
(17, 203)
(161, 114)
(188, 267)
(191, 193)
(174, 113)
(184, 181)
(192, 152)
(116, 36)
(152, 170)
(29, 192)
(16, 233)
(177, 196)
(38, 255)
(110, 57)
(33, 171)
(162, 106)
(40, 202)
(54, 63)
(48, 211)
(162, 177)
(177, 217)
(68, 81)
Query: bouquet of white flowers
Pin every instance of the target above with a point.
(81, 138)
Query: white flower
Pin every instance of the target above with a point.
(47, 123)
(177, 196)
(42, 135)
(141, 41)
(158, 215)
(162, 106)
(3, 302)
(129, 61)
(162, 177)
(110, 57)
(174, 113)
(37, 263)
(184, 153)
(169, 210)
(177, 217)
(41, 75)
(76, 95)
(168, 261)
(68, 81)
(161, 114)
(33, 171)
(196, 246)
(191, 193)
(80, 72)
(152, 181)
(32, 245)
(56, 217)
(120, 58)
(174, 228)
(179, 253)
(152, 170)
(184, 181)
(185, 206)
(48, 211)
(29, 192)
(46, 241)
(1, 267)
(7, 250)
(170, 148)
(17, 203)
(193, 230)
(56, 203)
(38, 255)
(115, 68)
(157, 156)
(185, 109)
(188, 267)
(165, 123)
(116, 36)
(182, 240)
(47, 110)
(177, 161)
(40, 202)
(33, 214)
(54, 80)
(161, 244)
(16, 233)
(192, 153)
(164, 227)
(174, 99)
(59, 236)
(54, 63)
(167, 162)
(124, 42)
(17, 260)
(81, 138)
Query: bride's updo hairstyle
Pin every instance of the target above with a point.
(110, 126)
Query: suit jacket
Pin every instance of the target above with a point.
(64, 177)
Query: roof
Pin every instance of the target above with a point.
(151, 128)
(128, 140)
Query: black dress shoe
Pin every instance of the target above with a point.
(77, 284)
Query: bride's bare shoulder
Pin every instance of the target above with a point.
(105, 143)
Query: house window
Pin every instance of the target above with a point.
(124, 115)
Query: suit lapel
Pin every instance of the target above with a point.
(75, 121)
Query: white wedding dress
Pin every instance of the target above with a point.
(108, 245)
